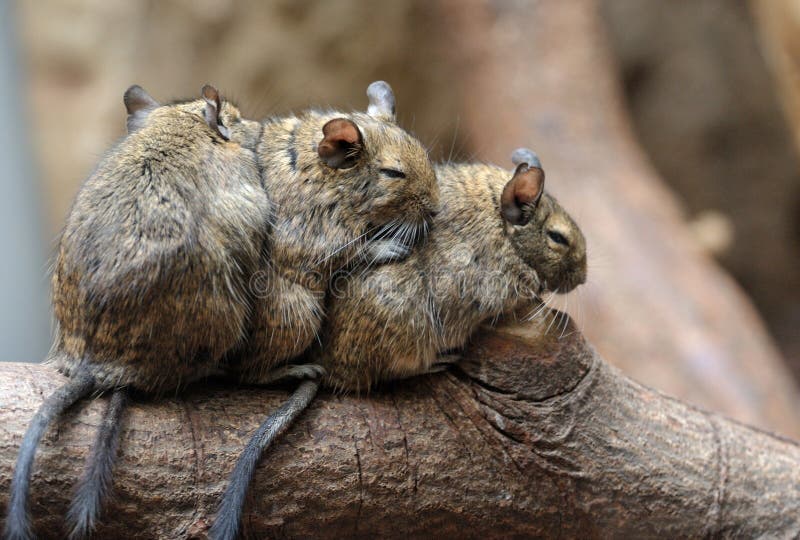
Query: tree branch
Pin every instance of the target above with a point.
(531, 435)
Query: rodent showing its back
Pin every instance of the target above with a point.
(151, 277)
(498, 243)
(150, 281)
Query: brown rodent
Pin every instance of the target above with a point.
(369, 198)
(150, 287)
(364, 194)
(496, 244)
(151, 279)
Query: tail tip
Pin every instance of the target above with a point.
(224, 528)
(81, 520)
(17, 527)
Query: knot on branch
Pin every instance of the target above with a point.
(529, 360)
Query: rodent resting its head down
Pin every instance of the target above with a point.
(348, 189)
(498, 242)
(543, 234)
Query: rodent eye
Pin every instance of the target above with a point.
(558, 238)
(393, 173)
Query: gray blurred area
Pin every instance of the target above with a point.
(24, 319)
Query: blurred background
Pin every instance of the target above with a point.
(671, 129)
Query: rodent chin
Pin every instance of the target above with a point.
(565, 284)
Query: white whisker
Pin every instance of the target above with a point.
(566, 318)
(345, 246)
(553, 318)
(539, 309)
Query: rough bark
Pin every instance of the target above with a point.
(540, 74)
(534, 435)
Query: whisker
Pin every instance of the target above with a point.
(540, 308)
(455, 136)
(553, 318)
(392, 227)
(339, 249)
(566, 318)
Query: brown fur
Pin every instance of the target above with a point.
(151, 279)
(161, 267)
(327, 218)
(391, 322)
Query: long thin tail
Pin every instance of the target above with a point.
(94, 487)
(18, 525)
(226, 525)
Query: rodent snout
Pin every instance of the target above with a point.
(577, 277)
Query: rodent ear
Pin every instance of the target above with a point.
(136, 98)
(524, 189)
(381, 101)
(138, 103)
(525, 155)
(212, 110)
(342, 144)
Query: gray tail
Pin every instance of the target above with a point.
(94, 486)
(18, 525)
(226, 524)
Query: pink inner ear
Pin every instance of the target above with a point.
(529, 185)
(341, 130)
(210, 93)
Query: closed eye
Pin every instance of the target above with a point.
(558, 238)
(393, 173)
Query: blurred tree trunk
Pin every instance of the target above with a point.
(698, 85)
(532, 436)
(539, 74)
(779, 26)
